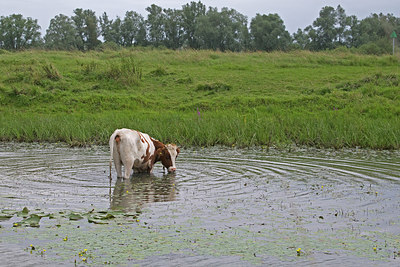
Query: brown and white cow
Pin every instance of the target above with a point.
(139, 151)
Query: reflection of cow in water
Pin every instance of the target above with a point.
(132, 194)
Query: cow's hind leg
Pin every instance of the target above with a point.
(118, 168)
(117, 164)
(128, 165)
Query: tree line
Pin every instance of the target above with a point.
(198, 27)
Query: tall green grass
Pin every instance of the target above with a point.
(331, 99)
(326, 130)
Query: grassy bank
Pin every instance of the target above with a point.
(202, 98)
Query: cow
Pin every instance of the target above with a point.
(139, 151)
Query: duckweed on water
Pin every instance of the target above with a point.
(258, 210)
(124, 240)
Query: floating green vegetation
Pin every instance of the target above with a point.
(119, 238)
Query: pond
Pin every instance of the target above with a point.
(223, 206)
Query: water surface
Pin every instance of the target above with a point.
(222, 207)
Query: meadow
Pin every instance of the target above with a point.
(332, 99)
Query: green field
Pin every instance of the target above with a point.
(327, 99)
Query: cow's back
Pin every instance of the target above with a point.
(132, 148)
(128, 142)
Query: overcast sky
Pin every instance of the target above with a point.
(295, 13)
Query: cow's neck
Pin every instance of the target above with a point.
(158, 148)
(157, 144)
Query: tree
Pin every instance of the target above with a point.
(207, 33)
(61, 33)
(342, 23)
(173, 28)
(16, 32)
(375, 32)
(133, 29)
(240, 38)
(225, 30)
(300, 39)
(376, 27)
(324, 25)
(190, 14)
(155, 23)
(86, 28)
(268, 33)
(331, 29)
(352, 32)
(110, 29)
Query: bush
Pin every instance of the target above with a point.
(372, 49)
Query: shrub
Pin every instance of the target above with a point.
(371, 49)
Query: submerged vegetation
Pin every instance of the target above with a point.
(324, 99)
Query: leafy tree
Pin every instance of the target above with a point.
(110, 29)
(173, 28)
(16, 32)
(269, 33)
(207, 33)
(375, 32)
(133, 29)
(300, 39)
(376, 27)
(155, 22)
(61, 33)
(190, 14)
(225, 30)
(86, 28)
(331, 29)
(342, 23)
(325, 29)
(237, 22)
(352, 31)
(312, 38)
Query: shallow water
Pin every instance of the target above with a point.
(222, 207)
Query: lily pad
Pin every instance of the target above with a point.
(73, 216)
(96, 221)
(43, 214)
(100, 218)
(8, 211)
(5, 217)
(24, 213)
(32, 221)
(106, 216)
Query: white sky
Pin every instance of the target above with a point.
(295, 13)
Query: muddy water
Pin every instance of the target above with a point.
(222, 207)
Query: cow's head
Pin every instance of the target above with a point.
(167, 155)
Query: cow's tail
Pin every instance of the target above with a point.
(114, 139)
